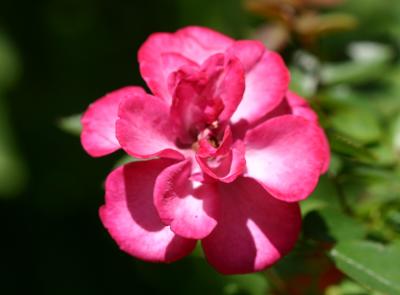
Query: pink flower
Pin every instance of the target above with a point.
(230, 153)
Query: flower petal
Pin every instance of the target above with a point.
(254, 229)
(98, 122)
(227, 167)
(207, 94)
(285, 154)
(195, 44)
(249, 52)
(131, 218)
(231, 88)
(266, 85)
(224, 163)
(300, 107)
(144, 128)
(199, 42)
(189, 209)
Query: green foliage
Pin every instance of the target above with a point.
(12, 168)
(71, 124)
(374, 265)
(332, 225)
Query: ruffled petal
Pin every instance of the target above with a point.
(249, 52)
(224, 163)
(193, 44)
(131, 218)
(98, 122)
(266, 84)
(189, 208)
(286, 154)
(254, 229)
(144, 128)
(206, 94)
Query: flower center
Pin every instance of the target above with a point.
(208, 136)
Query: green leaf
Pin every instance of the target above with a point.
(371, 264)
(357, 123)
(252, 284)
(368, 52)
(125, 159)
(346, 146)
(335, 165)
(332, 225)
(384, 152)
(13, 174)
(354, 72)
(369, 60)
(323, 196)
(348, 287)
(302, 83)
(9, 63)
(71, 124)
(396, 136)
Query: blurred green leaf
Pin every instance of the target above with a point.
(346, 146)
(12, 169)
(125, 159)
(71, 124)
(369, 60)
(251, 284)
(342, 96)
(9, 63)
(396, 136)
(370, 52)
(371, 264)
(331, 225)
(336, 165)
(325, 195)
(13, 172)
(375, 16)
(348, 287)
(351, 72)
(384, 153)
(304, 73)
(302, 83)
(357, 123)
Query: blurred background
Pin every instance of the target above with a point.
(56, 57)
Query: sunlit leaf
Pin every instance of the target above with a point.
(370, 52)
(348, 287)
(351, 72)
(357, 123)
(396, 136)
(371, 264)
